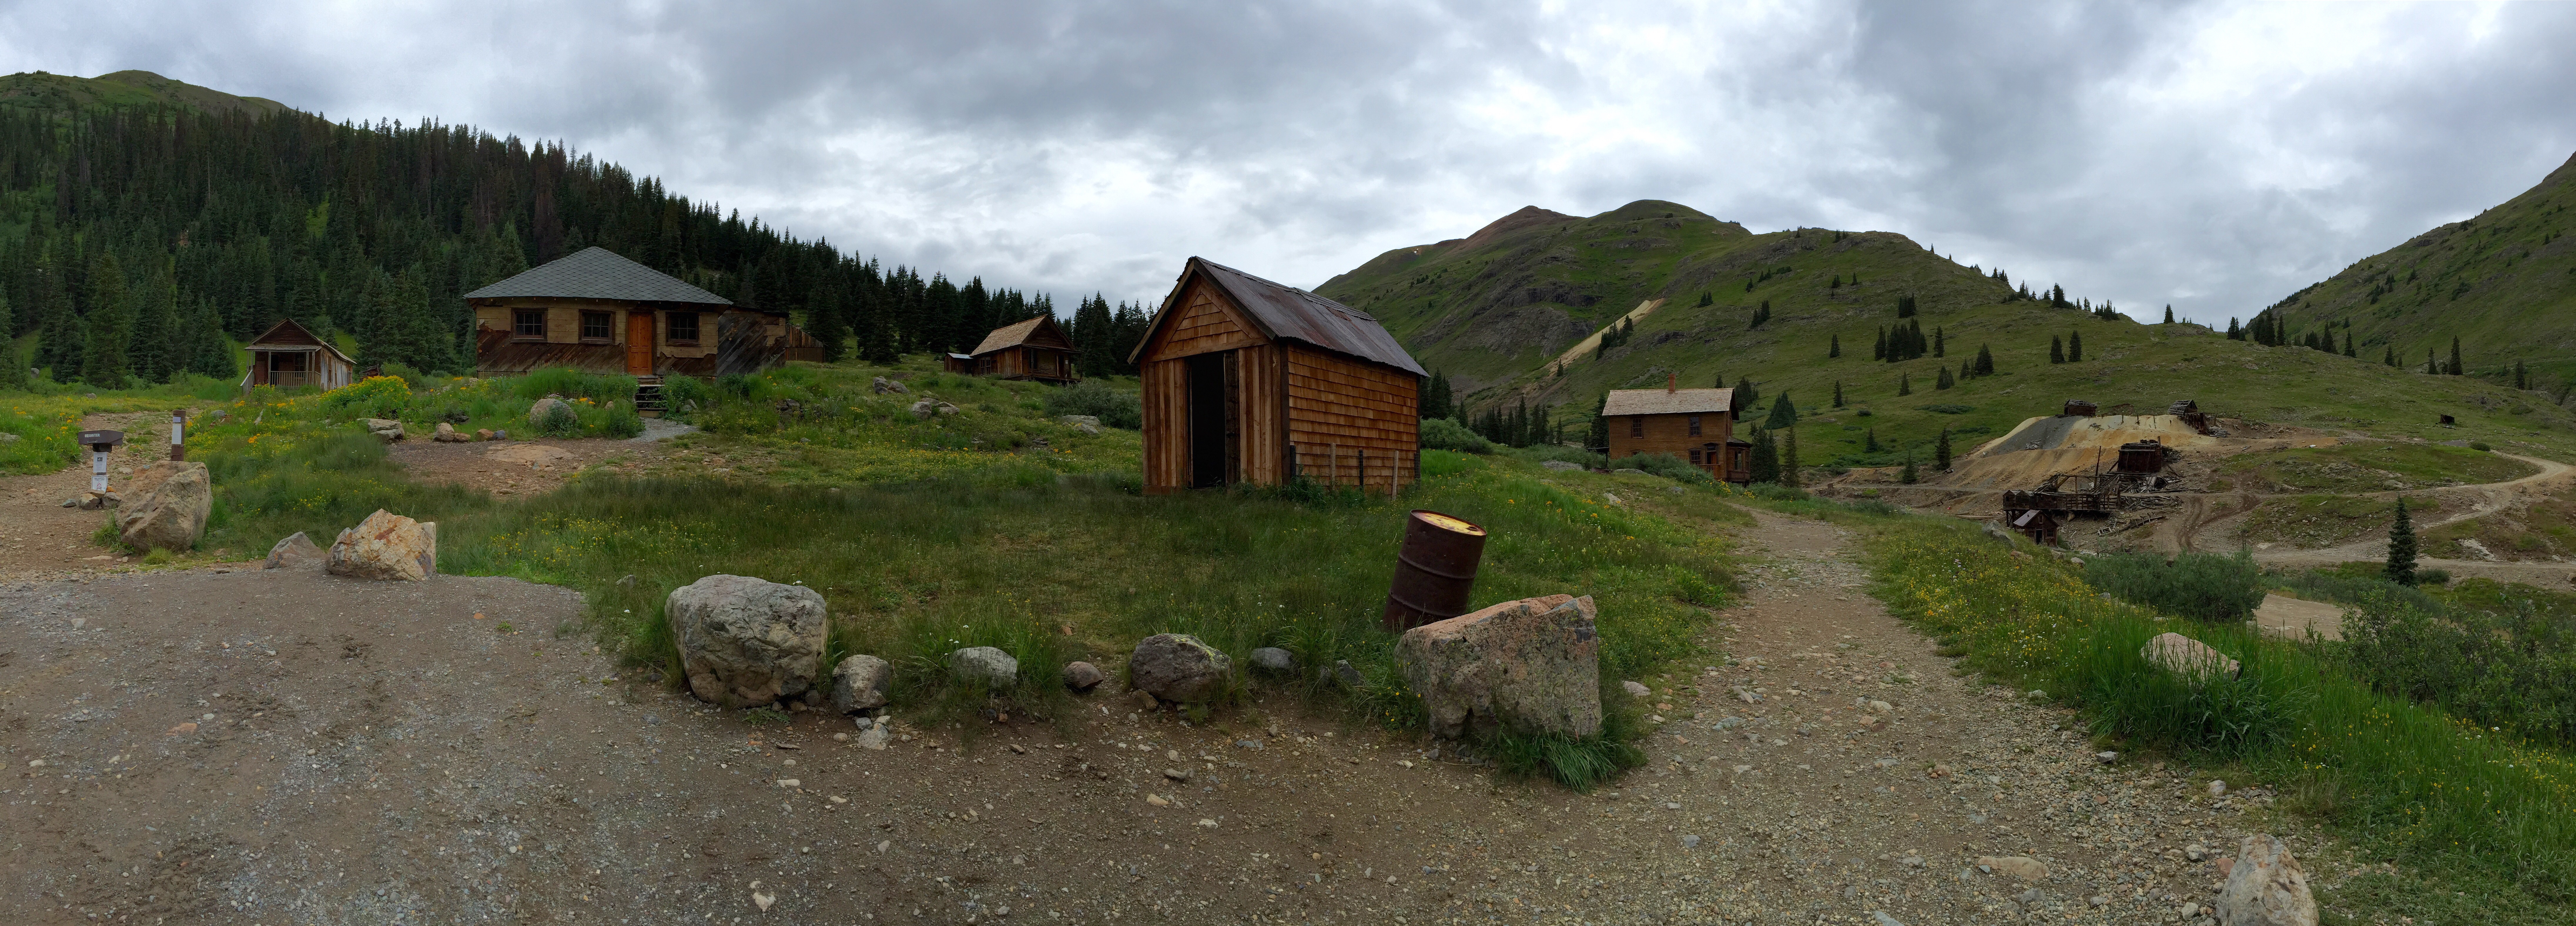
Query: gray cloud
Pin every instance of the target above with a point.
(2213, 156)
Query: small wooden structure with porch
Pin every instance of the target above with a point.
(287, 356)
(1248, 381)
(599, 312)
(1033, 348)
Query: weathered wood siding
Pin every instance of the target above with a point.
(1264, 377)
(1164, 385)
(1671, 434)
(1353, 422)
(1208, 322)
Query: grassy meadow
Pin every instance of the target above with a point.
(2482, 822)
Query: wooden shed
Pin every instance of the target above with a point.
(1249, 381)
(1033, 348)
(597, 311)
(1697, 424)
(287, 356)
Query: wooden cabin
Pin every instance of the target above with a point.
(596, 311)
(1248, 381)
(1034, 348)
(288, 356)
(1693, 424)
(957, 363)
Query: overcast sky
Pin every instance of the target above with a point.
(2211, 156)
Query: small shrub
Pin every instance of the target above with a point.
(2432, 577)
(560, 421)
(623, 420)
(2480, 446)
(2203, 586)
(1665, 465)
(1448, 434)
(679, 392)
(601, 388)
(764, 716)
(1115, 408)
(373, 397)
(410, 377)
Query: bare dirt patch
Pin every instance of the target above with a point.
(520, 467)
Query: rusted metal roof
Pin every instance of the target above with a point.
(597, 273)
(1670, 401)
(1034, 332)
(1292, 314)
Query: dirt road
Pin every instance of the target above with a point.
(376, 753)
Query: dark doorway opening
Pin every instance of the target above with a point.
(1212, 420)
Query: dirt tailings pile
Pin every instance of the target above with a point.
(2045, 446)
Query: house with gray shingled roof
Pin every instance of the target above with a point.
(595, 310)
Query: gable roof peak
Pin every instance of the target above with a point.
(597, 273)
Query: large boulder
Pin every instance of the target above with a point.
(1531, 666)
(385, 546)
(296, 550)
(168, 505)
(2183, 655)
(447, 434)
(747, 642)
(985, 665)
(385, 429)
(2266, 888)
(1179, 668)
(859, 683)
(537, 412)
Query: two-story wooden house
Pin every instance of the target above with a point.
(1692, 424)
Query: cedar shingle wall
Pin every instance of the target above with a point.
(1206, 323)
(1358, 406)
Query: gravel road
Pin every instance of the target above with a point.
(279, 747)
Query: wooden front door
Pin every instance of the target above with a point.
(639, 343)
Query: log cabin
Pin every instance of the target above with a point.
(1033, 348)
(596, 311)
(1246, 381)
(287, 355)
(1693, 424)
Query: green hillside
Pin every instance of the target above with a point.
(54, 92)
(2504, 283)
(1494, 309)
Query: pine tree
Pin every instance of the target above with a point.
(1765, 464)
(1436, 398)
(1939, 347)
(1943, 381)
(2347, 344)
(2056, 350)
(2455, 356)
(1904, 384)
(2521, 375)
(1838, 393)
(2234, 333)
(1599, 440)
(2074, 347)
(1789, 459)
(152, 352)
(1878, 351)
(2401, 548)
(109, 327)
(1706, 300)
(1745, 393)
(1941, 451)
(2389, 358)
(1908, 476)
(1834, 347)
(208, 353)
(2169, 313)
(1784, 414)
(1869, 442)
(1985, 361)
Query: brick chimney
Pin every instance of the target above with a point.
(1672, 383)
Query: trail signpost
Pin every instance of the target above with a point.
(101, 443)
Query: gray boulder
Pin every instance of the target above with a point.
(883, 385)
(2185, 656)
(385, 429)
(1344, 674)
(1274, 659)
(985, 665)
(747, 642)
(1179, 668)
(1092, 420)
(1082, 676)
(171, 501)
(2266, 888)
(537, 412)
(296, 550)
(859, 683)
(1531, 666)
(928, 408)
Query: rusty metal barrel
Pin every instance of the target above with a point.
(1435, 571)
